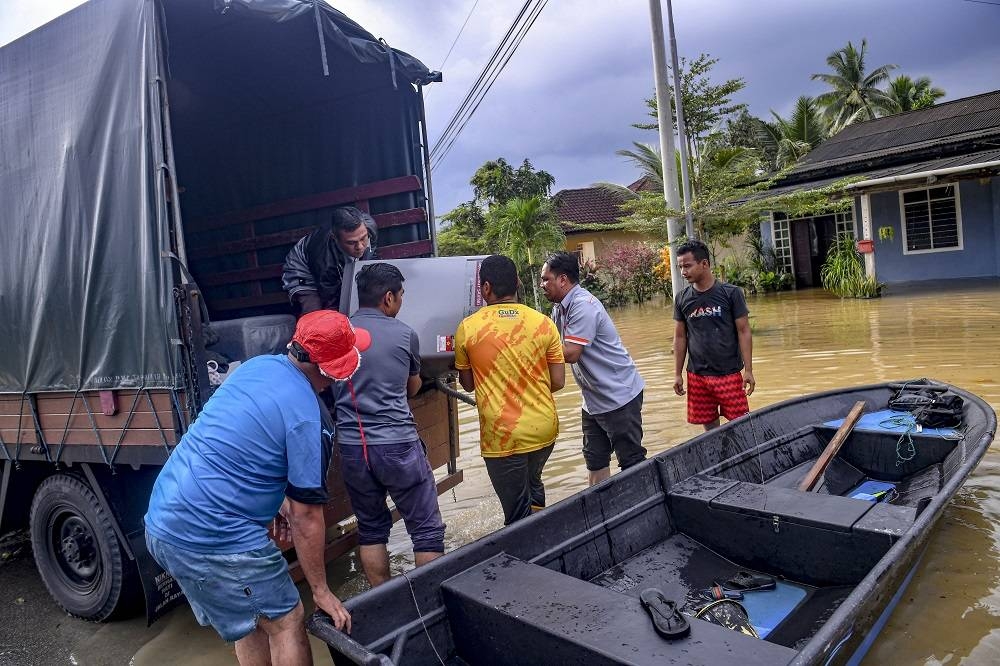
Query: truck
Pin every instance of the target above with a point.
(160, 157)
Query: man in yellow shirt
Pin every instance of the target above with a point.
(512, 356)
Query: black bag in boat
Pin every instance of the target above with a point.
(932, 407)
(729, 614)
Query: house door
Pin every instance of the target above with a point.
(803, 252)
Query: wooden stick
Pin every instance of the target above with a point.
(832, 448)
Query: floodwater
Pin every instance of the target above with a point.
(803, 342)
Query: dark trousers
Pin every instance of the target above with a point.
(619, 430)
(517, 480)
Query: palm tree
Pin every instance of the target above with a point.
(524, 230)
(905, 94)
(855, 94)
(786, 140)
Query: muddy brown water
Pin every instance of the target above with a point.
(803, 342)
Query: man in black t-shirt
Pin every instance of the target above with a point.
(713, 332)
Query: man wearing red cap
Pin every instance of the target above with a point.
(261, 445)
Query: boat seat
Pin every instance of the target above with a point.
(813, 538)
(505, 610)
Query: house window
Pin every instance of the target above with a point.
(782, 239)
(932, 219)
(585, 252)
(845, 225)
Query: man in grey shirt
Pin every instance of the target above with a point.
(380, 451)
(607, 376)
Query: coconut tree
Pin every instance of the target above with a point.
(525, 230)
(785, 140)
(855, 93)
(906, 94)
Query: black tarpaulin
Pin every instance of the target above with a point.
(85, 297)
(269, 99)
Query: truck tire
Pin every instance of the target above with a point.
(77, 552)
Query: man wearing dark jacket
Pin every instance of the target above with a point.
(314, 269)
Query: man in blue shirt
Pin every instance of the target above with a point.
(260, 446)
(380, 451)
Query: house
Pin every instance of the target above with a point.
(926, 204)
(581, 208)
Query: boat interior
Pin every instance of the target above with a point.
(565, 585)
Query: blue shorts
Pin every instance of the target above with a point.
(402, 472)
(229, 592)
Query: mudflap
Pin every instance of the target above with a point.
(160, 589)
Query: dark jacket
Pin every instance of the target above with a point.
(314, 269)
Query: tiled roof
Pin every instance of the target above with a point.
(645, 184)
(964, 125)
(589, 205)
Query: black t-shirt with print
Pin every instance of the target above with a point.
(710, 318)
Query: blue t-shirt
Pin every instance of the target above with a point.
(263, 435)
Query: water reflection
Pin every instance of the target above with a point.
(803, 342)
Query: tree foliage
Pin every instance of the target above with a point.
(526, 231)
(906, 94)
(706, 104)
(855, 93)
(788, 139)
(497, 182)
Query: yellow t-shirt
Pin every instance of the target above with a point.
(508, 347)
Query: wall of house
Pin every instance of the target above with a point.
(603, 240)
(980, 256)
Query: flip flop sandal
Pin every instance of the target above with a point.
(717, 592)
(744, 581)
(667, 618)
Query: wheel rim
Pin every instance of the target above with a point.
(73, 546)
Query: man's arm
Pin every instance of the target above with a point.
(296, 276)
(557, 376)
(572, 351)
(309, 535)
(467, 381)
(746, 350)
(680, 355)
(413, 385)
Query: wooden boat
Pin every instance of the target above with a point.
(563, 586)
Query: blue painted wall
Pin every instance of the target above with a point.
(980, 256)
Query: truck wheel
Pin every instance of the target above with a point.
(77, 551)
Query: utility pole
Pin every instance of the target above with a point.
(666, 125)
(681, 128)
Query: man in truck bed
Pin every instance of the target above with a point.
(314, 269)
(262, 444)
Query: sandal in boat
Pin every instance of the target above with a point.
(744, 581)
(667, 618)
(717, 592)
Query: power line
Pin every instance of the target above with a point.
(470, 94)
(490, 74)
(983, 2)
(460, 31)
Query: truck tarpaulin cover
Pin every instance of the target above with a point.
(87, 267)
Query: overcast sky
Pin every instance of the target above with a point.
(571, 92)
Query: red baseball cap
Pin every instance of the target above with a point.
(332, 342)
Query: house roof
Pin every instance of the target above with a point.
(972, 161)
(961, 126)
(589, 205)
(645, 184)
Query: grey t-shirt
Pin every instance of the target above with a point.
(380, 384)
(606, 374)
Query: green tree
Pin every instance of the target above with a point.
(525, 230)
(706, 104)
(497, 182)
(463, 232)
(788, 139)
(855, 93)
(906, 94)
(494, 184)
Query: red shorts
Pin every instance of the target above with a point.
(708, 396)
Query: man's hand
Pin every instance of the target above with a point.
(282, 528)
(748, 382)
(327, 602)
(679, 384)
